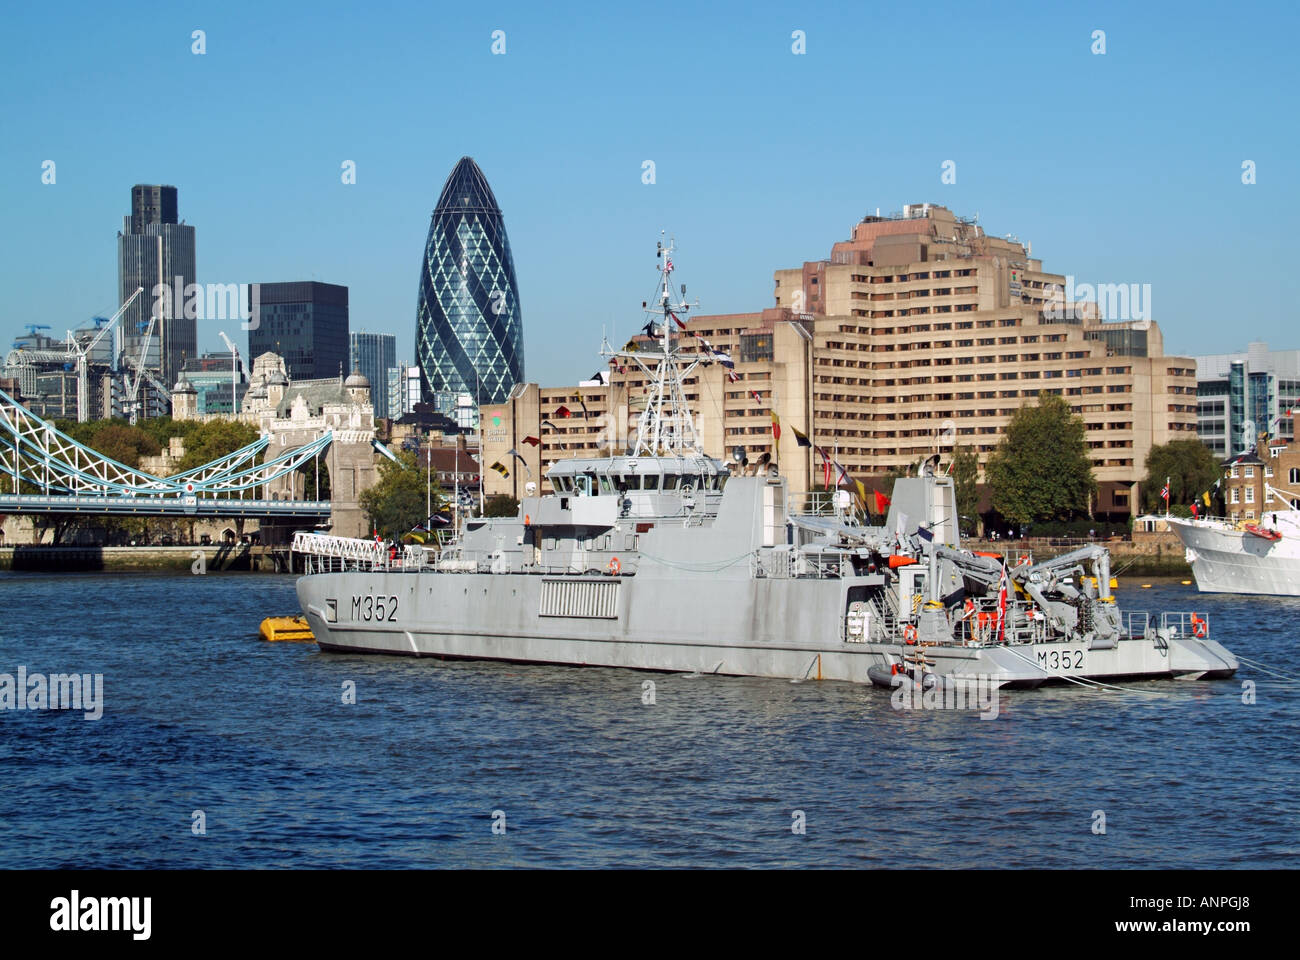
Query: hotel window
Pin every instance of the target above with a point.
(1234, 473)
(1250, 494)
(1295, 475)
(1250, 471)
(1236, 495)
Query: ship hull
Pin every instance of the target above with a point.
(1225, 560)
(779, 629)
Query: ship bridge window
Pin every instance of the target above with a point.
(631, 482)
(582, 485)
(652, 482)
(670, 482)
(606, 486)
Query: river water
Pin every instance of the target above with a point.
(205, 725)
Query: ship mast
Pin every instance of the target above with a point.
(666, 426)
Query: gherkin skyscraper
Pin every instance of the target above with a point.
(468, 328)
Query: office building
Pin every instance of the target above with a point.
(304, 322)
(373, 354)
(918, 334)
(155, 248)
(469, 329)
(1242, 397)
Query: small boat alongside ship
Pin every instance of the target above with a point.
(1260, 557)
(665, 558)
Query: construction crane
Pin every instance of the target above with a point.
(236, 362)
(78, 354)
(142, 373)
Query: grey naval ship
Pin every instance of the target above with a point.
(665, 558)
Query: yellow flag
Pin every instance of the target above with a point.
(1206, 497)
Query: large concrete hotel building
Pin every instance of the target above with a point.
(918, 333)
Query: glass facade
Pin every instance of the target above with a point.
(374, 354)
(306, 323)
(468, 330)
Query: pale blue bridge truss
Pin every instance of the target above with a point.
(43, 470)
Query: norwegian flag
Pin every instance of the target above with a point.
(1164, 494)
(1002, 604)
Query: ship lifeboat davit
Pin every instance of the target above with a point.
(276, 629)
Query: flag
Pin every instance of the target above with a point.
(583, 400)
(732, 376)
(547, 423)
(564, 412)
(826, 468)
(1194, 511)
(861, 493)
(649, 329)
(668, 265)
(882, 501)
(376, 535)
(844, 476)
(520, 457)
(1206, 497)
(630, 346)
(670, 313)
(1002, 603)
(532, 441)
(800, 438)
(1164, 494)
(500, 468)
(757, 398)
(776, 427)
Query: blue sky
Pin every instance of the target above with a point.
(1124, 167)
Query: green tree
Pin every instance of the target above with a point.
(1040, 470)
(501, 505)
(396, 503)
(121, 442)
(965, 477)
(1191, 468)
(213, 440)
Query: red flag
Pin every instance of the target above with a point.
(531, 441)
(670, 313)
(564, 412)
(882, 501)
(776, 426)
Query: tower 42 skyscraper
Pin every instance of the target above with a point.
(468, 329)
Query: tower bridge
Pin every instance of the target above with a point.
(329, 423)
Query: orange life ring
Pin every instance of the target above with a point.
(909, 633)
(615, 568)
(1199, 627)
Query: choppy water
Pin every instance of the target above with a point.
(201, 715)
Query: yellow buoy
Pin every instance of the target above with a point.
(1187, 583)
(1146, 586)
(286, 628)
